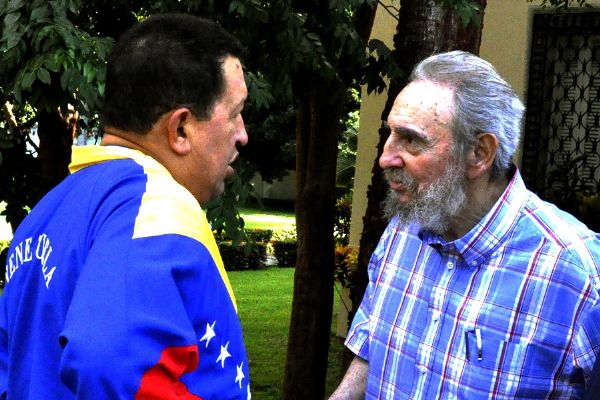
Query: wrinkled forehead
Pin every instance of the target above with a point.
(428, 103)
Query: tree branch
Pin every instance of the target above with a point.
(393, 11)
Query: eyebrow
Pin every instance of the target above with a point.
(416, 134)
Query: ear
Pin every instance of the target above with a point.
(177, 124)
(482, 155)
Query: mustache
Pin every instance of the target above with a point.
(398, 175)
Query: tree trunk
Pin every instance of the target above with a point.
(318, 119)
(316, 148)
(424, 28)
(54, 151)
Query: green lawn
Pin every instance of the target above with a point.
(264, 299)
(268, 219)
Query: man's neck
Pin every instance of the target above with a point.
(482, 194)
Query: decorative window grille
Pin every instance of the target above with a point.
(561, 150)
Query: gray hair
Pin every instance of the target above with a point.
(483, 102)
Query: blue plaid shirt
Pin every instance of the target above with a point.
(510, 310)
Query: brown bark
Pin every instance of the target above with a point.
(308, 343)
(317, 130)
(424, 28)
(54, 151)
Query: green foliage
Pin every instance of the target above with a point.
(259, 235)
(348, 144)
(346, 259)
(239, 257)
(47, 61)
(285, 253)
(285, 248)
(54, 54)
(248, 254)
(343, 213)
(380, 64)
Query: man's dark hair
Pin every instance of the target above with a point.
(164, 62)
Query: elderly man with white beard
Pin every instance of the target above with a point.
(477, 289)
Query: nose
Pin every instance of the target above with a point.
(241, 134)
(390, 157)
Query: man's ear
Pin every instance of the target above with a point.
(482, 155)
(177, 124)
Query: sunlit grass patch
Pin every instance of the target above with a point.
(268, 219)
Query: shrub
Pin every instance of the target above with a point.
(259, 235)
(285, 252)
(341, 227)
(249, 254)
(243, 256)
(346, 261)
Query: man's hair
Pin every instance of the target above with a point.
(483, 102)
(162, 63)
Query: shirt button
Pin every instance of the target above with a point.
(436, 316)
(422, 369)
(450, 264)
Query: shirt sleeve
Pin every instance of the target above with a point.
(357, 339)
(587, 342)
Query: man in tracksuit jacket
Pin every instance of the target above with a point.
(115, 288)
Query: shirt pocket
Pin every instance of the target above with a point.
(507, 368)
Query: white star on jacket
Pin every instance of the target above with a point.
(240, 374)
(210, 333)
(224, 355)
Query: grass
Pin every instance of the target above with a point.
(268, 219)
(264, 299)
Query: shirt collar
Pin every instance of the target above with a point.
(493, 229)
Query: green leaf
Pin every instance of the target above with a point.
(88, 70)
(17, 94)
(27, 81)
(74, 6)
(39, 13)
(101, 87)
(43, 75)
(10, 25)
(66, 79)
(53, 62)
(14, 5)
